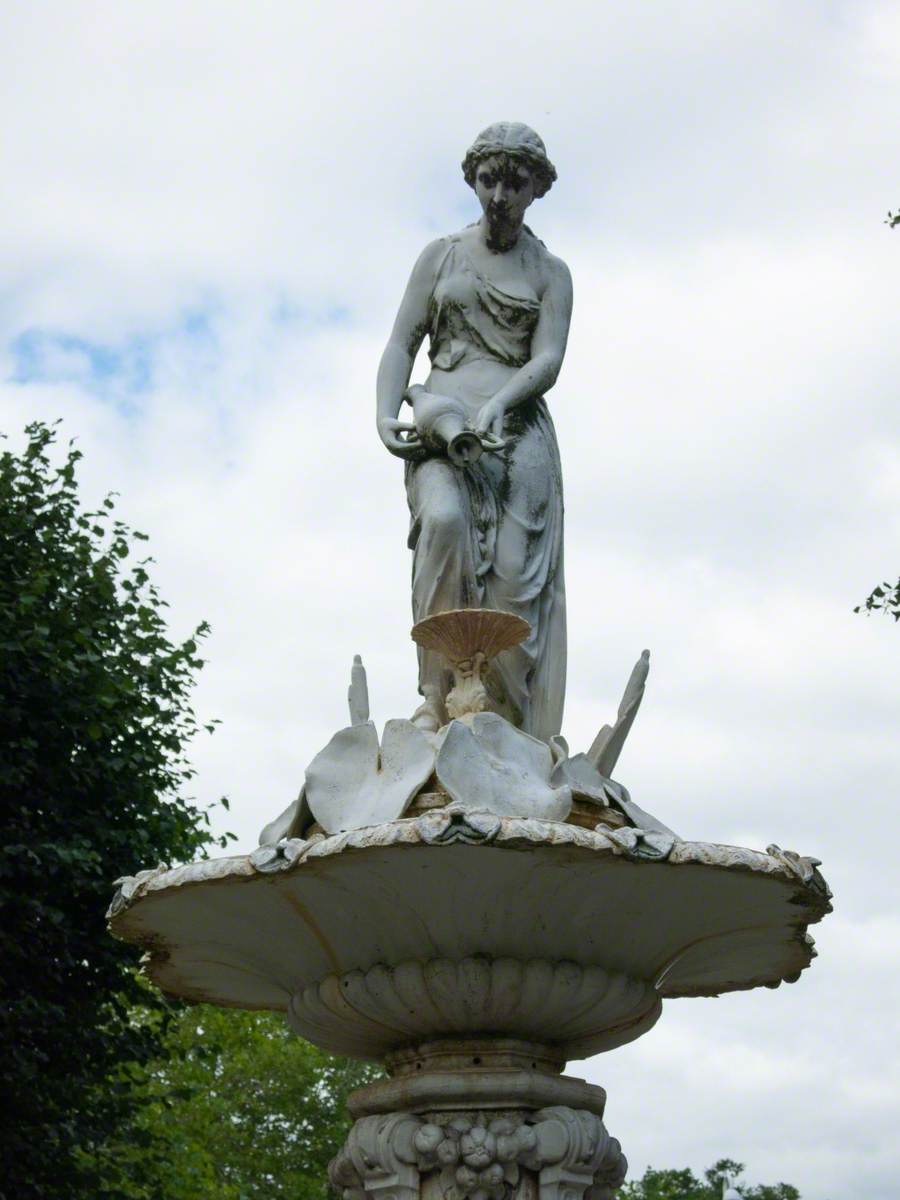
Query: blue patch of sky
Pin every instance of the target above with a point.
(339, 314)
(116, 372)
(198, 323)
(121, 373)
(288, 312)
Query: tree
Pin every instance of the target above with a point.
(665, 1185)
(886, 596)
(239, 1108)
(683, 1184)
(94, 721)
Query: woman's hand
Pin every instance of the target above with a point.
(391, 432)
(489, 422)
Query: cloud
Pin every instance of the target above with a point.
(209, 216)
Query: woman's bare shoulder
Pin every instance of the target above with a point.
(466, 234)
(558, 272)
(435, 249)
(553, 270)
(429, 260)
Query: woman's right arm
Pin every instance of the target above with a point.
(399, 355)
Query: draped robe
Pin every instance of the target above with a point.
(490, 535)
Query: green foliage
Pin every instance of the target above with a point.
(885, 598)
(778, 1191)
(685, 1185)
(666, 1185)
(94, 720)
(239, 1108)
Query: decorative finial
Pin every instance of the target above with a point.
(358, 693)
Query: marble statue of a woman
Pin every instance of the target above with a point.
(496, 306)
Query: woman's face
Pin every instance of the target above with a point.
(505, 188)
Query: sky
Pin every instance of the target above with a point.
(209, 212)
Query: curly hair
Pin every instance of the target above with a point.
(511, 139)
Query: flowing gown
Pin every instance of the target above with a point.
(491, 535)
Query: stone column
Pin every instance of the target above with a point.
(485, 1119)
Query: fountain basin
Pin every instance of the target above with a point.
(456, 923)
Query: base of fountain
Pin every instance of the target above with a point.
(465, 1074)
(488, 1118)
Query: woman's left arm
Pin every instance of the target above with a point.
(548, 347)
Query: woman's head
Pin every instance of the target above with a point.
(513, 148)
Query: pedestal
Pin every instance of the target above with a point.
(486, 1118)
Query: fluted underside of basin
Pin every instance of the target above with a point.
(447, 925)
(370, 1013)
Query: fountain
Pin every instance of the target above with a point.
(462, 898)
